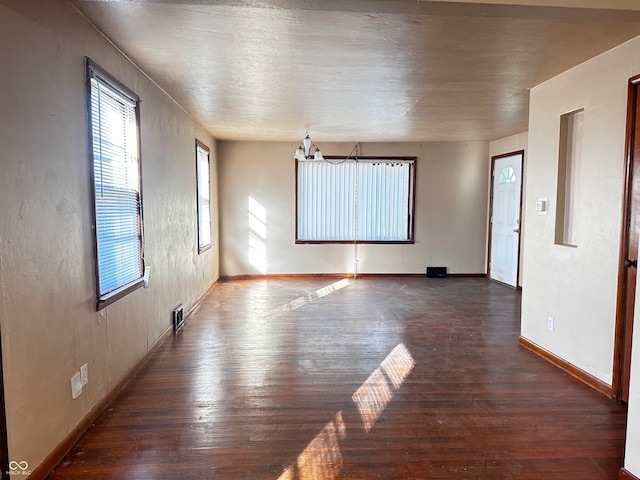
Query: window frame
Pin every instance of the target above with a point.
(412, 201)
(203, 247)
(95, 70)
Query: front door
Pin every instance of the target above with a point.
(504, 228)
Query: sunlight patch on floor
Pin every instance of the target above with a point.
(377, 391)
(322, 458)
(308, 298)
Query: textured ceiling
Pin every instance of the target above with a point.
(361, 70)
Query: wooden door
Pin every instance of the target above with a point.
(506, 192)
(628, 248)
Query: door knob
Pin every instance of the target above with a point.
(516, 230)
(631, 263)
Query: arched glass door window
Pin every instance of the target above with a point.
(508, 175)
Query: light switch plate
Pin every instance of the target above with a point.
(84, 374)
(542, 205)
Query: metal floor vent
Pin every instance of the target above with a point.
(436, 272)
(178, 318)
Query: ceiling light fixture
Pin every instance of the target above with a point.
(308, 150)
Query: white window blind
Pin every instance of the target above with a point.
(365, 200)
(204, 201)
(116, 175)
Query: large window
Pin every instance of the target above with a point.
(117, 195)
(204, 200)
(368, 200)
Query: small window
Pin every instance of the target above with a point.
(508, 175)
(204, 194)
(115, 166)
(344, 200)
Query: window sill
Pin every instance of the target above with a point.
(111, 297)
(569, 245)
(204, 248)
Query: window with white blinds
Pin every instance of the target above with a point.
(366, 200)
(204, 200)
(116, 180)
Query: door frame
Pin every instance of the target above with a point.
(622, 304)
(4, 442)
(490, 228)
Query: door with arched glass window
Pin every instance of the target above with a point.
(504, 251)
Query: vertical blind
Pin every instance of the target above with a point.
(365, 200)
(204, 201)
(116, 174)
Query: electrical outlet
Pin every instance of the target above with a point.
(76, 386)
(550, 324)
(84, 374)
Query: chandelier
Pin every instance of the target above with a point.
(308, 150)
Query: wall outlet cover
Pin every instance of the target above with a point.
(76, 386)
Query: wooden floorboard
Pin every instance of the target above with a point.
(373, 378)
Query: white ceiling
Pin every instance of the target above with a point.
(360, 70)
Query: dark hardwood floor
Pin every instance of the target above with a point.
(375, 378)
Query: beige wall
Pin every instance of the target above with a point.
(507, 145)
(514, 143)
(578, 286)
(450, 222)
(48, 320)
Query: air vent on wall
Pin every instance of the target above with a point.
(178, 318)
